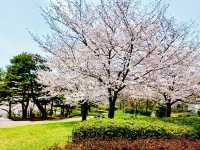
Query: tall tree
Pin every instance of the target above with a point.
(21, 77)
(115, 42)
(178, 83)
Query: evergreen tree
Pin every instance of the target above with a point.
(21, 78)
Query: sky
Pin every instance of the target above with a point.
(17, 17)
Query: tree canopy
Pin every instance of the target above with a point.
(113, 45)
(22, 83)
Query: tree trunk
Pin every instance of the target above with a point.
(25, 110)
(10, 110)
(31, 113)
(24, 103)
(112, 101)
(51, 109)
(168, 105)
(84, 110)
(45, 107)
(111, 112)
(42, 110)
(37, 103)
(169, 110)
(24, 113)
(67, 111)
(62, 110)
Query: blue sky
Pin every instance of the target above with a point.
(18, 16)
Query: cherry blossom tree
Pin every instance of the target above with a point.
(112, 43)
(77, 90)
(178, 83)
(72, 86)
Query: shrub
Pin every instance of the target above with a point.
(198, 112)
(130, 110)
(180, 108)
(140, 111)
(145, 113)
(161, 111)
(130, 129)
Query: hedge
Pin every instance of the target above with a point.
(131, 129)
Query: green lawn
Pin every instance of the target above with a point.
(35, 137)
(40, 137)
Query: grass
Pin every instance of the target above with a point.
(35, 137)
(41, 137)
(184, 119)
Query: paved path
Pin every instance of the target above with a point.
(6, 123)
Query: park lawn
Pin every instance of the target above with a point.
(35, 137)
(43, 136)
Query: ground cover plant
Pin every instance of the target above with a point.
(144, 144)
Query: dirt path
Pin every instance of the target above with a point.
(6, 123)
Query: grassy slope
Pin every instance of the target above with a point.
(35, 137)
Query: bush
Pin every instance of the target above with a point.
(145, 113)
(161, 111)
(198, 112)
(130, 129)
(141, 112)
(130, 110)
(180, 108)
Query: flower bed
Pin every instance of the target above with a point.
(140, 144)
